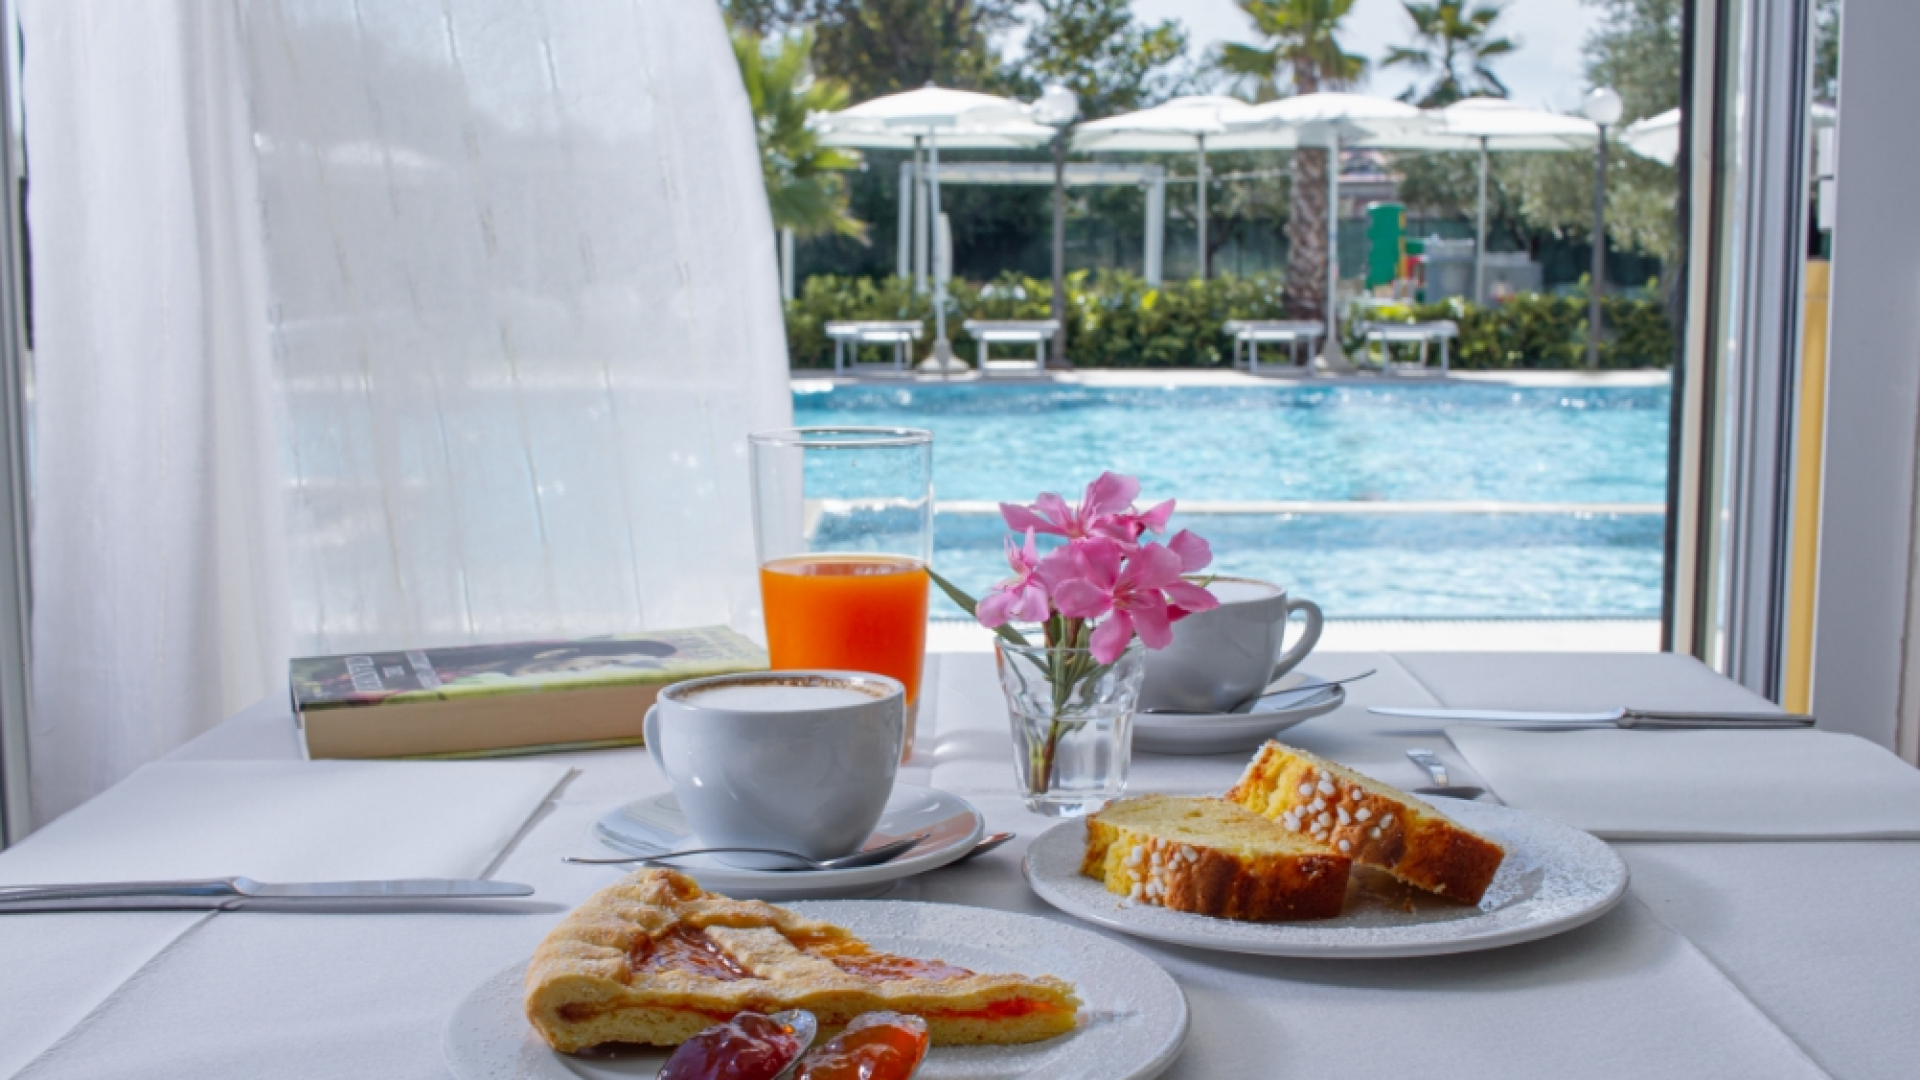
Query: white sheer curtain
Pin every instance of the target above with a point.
(159, 582)
(525, 308)
(483, 292)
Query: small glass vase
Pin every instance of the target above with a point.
(1072, 722)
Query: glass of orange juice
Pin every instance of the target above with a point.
(843, 524)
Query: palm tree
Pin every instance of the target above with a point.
(1454, 38)
(1301, 46)
(803, 186)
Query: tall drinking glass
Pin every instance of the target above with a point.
(843, 523)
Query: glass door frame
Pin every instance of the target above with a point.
(1746, 82)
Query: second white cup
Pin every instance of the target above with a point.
(1222, 657)
(799, 761)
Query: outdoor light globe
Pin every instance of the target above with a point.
(1603, 106)
(1056, 106)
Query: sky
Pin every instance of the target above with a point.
(1544, 72)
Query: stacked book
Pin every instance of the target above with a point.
(486, 700)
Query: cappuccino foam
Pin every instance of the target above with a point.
(1241, 590)
(779, 697)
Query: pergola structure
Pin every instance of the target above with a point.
(915, 245)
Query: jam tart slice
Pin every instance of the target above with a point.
(655, 959)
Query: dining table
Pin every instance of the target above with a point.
(1791, 950)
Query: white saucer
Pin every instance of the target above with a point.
(1223, 733)
(1555, 878)
(1133, 1019)
(656, 824)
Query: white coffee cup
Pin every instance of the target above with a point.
(799, 761)
(1222, 657)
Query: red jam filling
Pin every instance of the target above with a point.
(686, 949)
(884, 967)
(999, 1010)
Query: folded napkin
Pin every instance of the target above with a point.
(1700, 785)
(268, 820)
(290, 821)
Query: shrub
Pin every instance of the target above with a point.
(1118, 320)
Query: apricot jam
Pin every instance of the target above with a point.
(876, 1046)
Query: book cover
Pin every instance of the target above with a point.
(460, 673)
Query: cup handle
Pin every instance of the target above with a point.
(650, 731)
(1289, 659)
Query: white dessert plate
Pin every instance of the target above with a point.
(656, 824)
(1133, 1019)
(1555, 878)
(1223, 733)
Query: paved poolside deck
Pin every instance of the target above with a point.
(1414, 635)
(1137, 378)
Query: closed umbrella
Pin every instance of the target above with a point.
(1330, 120)
(1183, 125)
(959, 118)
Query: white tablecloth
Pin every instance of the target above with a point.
(1727, 960)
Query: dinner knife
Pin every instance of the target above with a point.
(242, 893)
(1624, 718)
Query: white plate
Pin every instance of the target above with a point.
(1222, 733)
(1555, 878)
(656, 824)
(1132, 1022)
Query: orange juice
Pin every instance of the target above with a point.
(850, 612)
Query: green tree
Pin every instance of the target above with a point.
(1636, 50)
(1098, 50)
(881, 47)
(1453, 39)
(1302, 50)
(1826, 51)
(804, 187)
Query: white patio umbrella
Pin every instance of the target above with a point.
(1183, 125)
(1658, 137)
(959, 118)
(1484, 124)
(1331, 120)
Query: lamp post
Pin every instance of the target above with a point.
(1603, 108)
(1057, 107)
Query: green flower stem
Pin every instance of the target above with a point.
(1068, 663)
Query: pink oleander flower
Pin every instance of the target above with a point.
(1138, 591)
(1105, 510)
(1023, 596)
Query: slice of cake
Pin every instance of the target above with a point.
(1375, 824)
(1212, 857)
(655, 959)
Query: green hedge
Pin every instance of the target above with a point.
(1118, 320)
(1535, 331)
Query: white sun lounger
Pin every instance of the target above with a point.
(1424, 334)
(848, 337)
(1250, 334)
(1034, 332)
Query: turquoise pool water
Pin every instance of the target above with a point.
(1350, 444)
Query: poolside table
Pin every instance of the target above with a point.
(1748, 960)
(848, 337)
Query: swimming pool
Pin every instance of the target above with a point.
(1357, 454)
